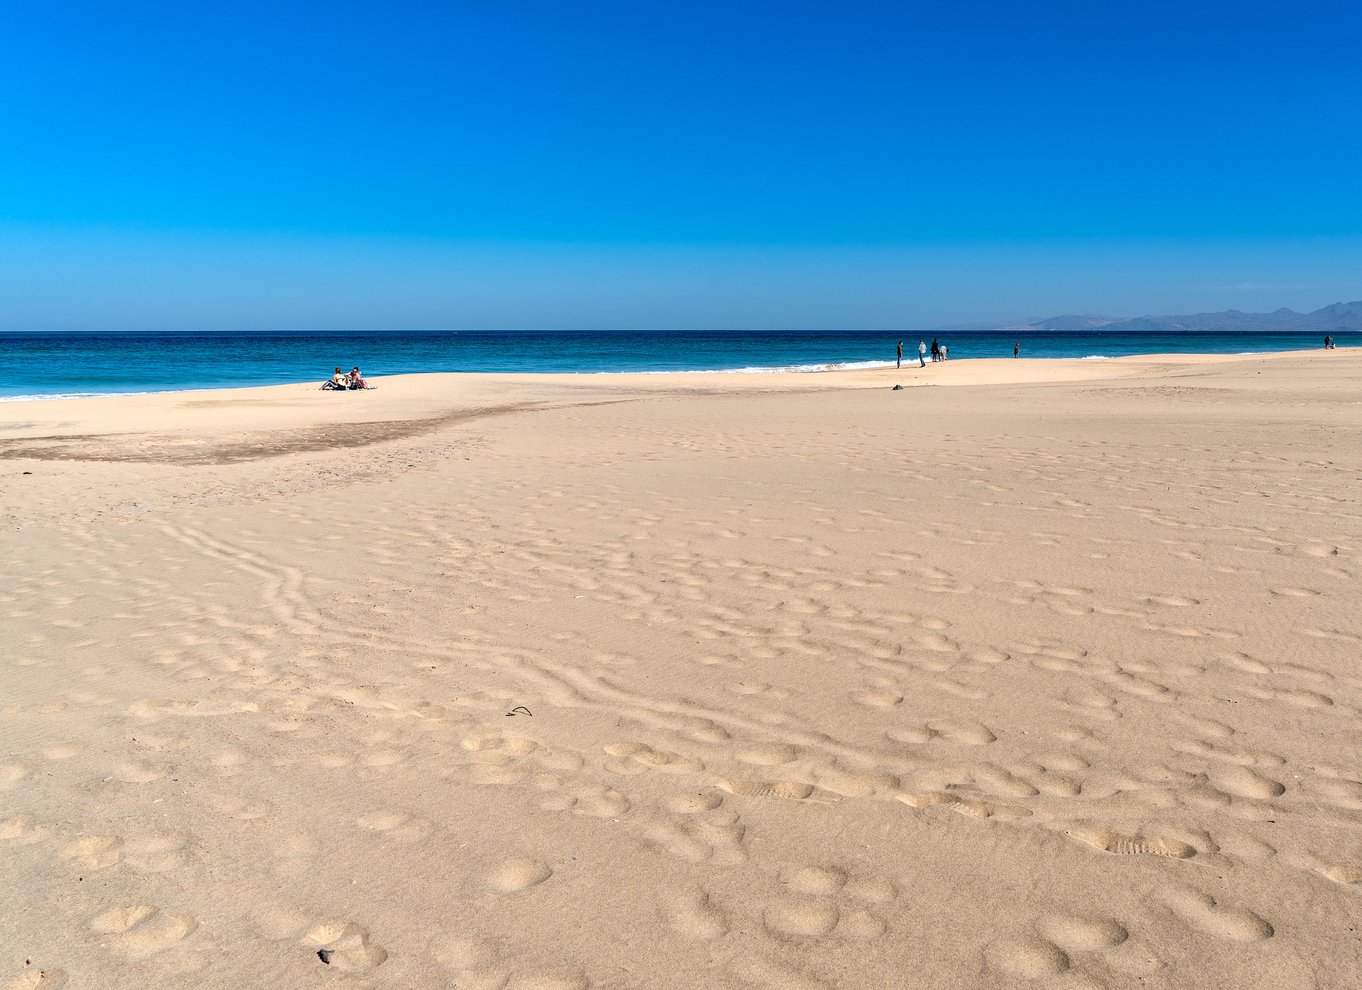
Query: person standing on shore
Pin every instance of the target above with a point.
(1016, 348)
(936, 350)
(900, 360)
(922, 352)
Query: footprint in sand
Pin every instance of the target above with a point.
(828, 880)
(1229, 754)
(518, 873)
(236, 807)
(967, 806)
(877, 697)
(95, 852)
(1075, 734)
(1059, 942)
(766, 691)
(632, 758)
(826, 901)
(346, 946)
(695, 915)
(1131, 844)
(1061, 761)
(395, 825)
(1340, 791)
(1172, 601)
(156, 852)
(22, 830)
(853, 783)
(1076, 934)
(143, 930)
(1210, 915)
(1315, 550)
(1246, 783)
(1296, 697)
(1339, 873)
(500, 745)
(703, 837)
(1344, 874)
(789, 790)
(1026, 958)
(596, 801)
(691, 804)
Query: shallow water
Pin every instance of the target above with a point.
(47, 364)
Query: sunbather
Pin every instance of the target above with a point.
(338, 382)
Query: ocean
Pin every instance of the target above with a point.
(38, 365)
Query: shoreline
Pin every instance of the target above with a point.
(843, 375)
(179, 429)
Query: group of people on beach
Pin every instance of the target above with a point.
(341, 382)
(1329, 343)
(938, 352)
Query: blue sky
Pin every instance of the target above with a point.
(646, 165)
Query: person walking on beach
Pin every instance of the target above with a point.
(1016, 348)
(922, 353)
(900, 360)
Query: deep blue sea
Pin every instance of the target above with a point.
(47, 364)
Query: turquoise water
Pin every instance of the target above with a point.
(46, 364)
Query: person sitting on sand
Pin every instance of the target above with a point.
(355, 379)
(338, 382)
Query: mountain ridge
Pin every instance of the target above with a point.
(1336, 317)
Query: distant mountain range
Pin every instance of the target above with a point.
(1330, 319)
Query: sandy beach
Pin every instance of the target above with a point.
(1033, 673)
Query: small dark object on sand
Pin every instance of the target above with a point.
(324, 955)
(897, 388)
(28, 472)
(519, 710)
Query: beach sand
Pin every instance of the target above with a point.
(1030, 674)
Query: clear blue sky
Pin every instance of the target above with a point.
(300, 164)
